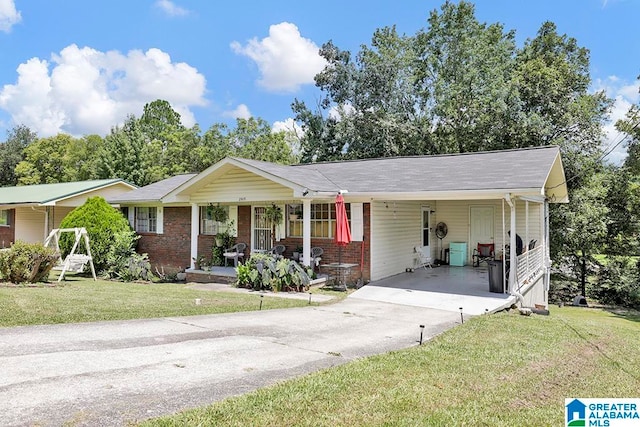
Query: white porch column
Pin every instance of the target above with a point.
(306, 232)
(195, 231)
(513, 252)
(546, 250)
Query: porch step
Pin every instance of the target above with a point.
(200, 276)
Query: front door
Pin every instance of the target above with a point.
(481, 230)
(261, 235)
(426, 229)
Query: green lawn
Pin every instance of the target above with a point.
(79, 299)
(498, 370)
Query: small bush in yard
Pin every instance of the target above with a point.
(122, 260)
(103, 223)
(27, 263)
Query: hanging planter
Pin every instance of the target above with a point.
(217, 213)
(274, 215)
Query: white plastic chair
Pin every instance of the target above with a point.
(423, 259)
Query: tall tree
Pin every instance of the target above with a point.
(121, 154)
(254, 139)
(12, 153)
(463, 74)
(159, 119)
(552, 77)
(580, 232)
(44, 161)
(630, 126)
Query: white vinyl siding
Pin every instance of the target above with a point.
(239, 186)
(30, 224)
(396, 228)
(110, 192)
(395, 231)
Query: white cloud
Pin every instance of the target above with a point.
(240, 112)
(286, 60)
(624, 95)
(288, 125)
(9, 16)
(170, 8)
(82, 90)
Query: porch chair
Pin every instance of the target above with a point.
(236, 252)
(316, 256)
(484, 252)
(532, 243)
(422, 258)
(277, 251)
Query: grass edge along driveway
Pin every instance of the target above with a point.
(79, 299)
(497, 370)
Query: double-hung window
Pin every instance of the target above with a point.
(323, 220)
(210, 226)
(146, 219)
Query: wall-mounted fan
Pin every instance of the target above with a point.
(441, 233)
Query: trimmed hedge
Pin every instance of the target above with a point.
(103, 223)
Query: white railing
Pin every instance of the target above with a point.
(530, 265)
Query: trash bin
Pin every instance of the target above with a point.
(495, 276)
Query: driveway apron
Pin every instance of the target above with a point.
(113, 373)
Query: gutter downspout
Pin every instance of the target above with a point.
(46, 221)
(512, 251)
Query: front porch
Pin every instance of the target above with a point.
(443, 288)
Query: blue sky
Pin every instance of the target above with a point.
(81, 66)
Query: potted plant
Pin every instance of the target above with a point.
(297, 252)
(274, 215)
(296, 214)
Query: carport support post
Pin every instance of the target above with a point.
(195, 228)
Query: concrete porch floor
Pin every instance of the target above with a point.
(443, 288)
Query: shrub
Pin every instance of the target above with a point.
(103, 223)
(27, 262)
(264, 272)
(122, 261)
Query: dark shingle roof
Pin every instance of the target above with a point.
(509, 169)
(153, 192)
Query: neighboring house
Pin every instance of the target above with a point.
(393, 204)
(30, 212)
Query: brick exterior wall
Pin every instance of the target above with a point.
(353, 253)
(8, 233)
(172, 249)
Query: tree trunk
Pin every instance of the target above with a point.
(583, 275)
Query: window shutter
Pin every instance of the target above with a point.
(357, 222)
(159, 220)
(233, 216)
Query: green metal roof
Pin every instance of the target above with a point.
(47, 193)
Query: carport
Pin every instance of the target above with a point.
(443, 288)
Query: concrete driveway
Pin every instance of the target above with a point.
(113, 373)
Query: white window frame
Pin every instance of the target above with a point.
(208, 226)
(314, 211)
(148, 224)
